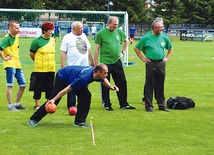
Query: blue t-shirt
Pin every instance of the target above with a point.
(132, 30)
(85, 30)
(56, 29)
(77, 76)
(69, 29)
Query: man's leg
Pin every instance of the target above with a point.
(119, 78)
(22, 84)
(160, 85)
(149, 86)
(9, 94)
(19, 94)
(41, 112)
(71, 99)
(105, 92)
(83, 106)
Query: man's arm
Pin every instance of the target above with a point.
(169, 53)
(107, 84)
(60, 94)
(32, 55)
(90, 58)
(125, 45)
(96, 54)
(144, 59)
(5, 58)
(63, 57)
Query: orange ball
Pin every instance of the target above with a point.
(50, 108)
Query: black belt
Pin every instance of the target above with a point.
(157, 60)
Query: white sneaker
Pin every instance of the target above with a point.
(12, 108)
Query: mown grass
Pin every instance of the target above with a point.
(127, 132)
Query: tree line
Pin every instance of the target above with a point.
(172, 11)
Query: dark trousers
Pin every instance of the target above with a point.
(155, 78)
(43, 83)
(83, 99)
(71, 99)
(118, 75)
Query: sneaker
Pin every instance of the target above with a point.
(32, 123)
(109, 108)
(82, 124)
(164, 109)
(21, 107)
(12, 108)
(127, 107)
(149, 109)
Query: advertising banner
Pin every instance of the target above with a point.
(195, 35)
(30, 32)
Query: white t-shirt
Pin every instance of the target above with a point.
(93, 29)
(76, 48)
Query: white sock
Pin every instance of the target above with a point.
(16, 104)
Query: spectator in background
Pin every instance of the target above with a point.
(42, 52)
(107, 43)
(57, 34)
(93, 31)
(69, 28)
(76, 48)
(132, 32)
(9, 52)
(85, 28)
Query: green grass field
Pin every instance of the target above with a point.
(123, 132)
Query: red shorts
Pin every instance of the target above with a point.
(131, 36)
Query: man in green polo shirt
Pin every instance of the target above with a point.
(154, 45)
(108, 45)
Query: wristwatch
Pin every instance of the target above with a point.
(123, 52)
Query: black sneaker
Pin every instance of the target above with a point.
(127, 107)
(164, 109)
(82, 124)
(149, 109)
(109, 108)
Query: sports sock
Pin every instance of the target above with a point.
(16, 104)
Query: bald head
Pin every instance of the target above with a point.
(77, 28)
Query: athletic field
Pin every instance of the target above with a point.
(122, 132)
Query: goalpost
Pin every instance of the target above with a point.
(31, 20)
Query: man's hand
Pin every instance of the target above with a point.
(50, 102)
(165, 59)
(8, 58)
(114, 88)
(121, 55)
(146, 60)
